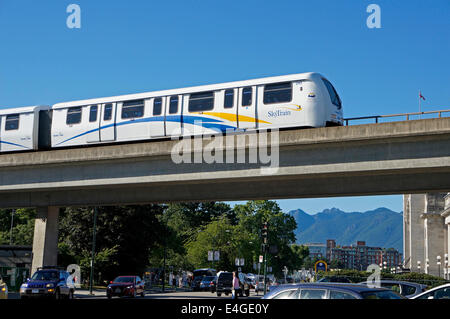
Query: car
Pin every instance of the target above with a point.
(405, 288)
(440, 292)
(334, 279)
(49, 281)
(195, 285)
(330, 291)
(224, 283)
(207, 282)
(126, 286)
(3, 289)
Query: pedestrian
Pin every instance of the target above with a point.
(236, 286)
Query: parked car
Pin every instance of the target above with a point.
(195, 285)
(330, 291)
(224, 283)
(48, 282)
(405, 288)
(334, 279)
(126, 286)
(207, 282)
(260, 284)
(3, 289)
(441, 292)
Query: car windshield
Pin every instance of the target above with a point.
(208, 278)
(226, 276)
(384, 294)
(45, 275)
(124, 279)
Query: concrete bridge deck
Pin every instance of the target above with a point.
(369, 159)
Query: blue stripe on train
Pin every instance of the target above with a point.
(14, 144)
(188, 119)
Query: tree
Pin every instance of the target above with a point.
(23, 226)
(125, 236)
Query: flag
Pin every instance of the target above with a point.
(421, 96)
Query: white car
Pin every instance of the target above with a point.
(441, 292)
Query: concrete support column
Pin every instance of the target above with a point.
(413, 231)
(446, 215)
(434, 232)
(45, 241)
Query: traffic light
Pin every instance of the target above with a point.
(264, 232)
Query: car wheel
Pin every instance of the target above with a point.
(143, 294)
(109, 295)
(57, 294)
(134, 293)
(70, 295)
(219, 294)
(247, 293)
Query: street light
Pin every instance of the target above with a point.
(446, 266)
(439, 265)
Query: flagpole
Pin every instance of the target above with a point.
(420, 108)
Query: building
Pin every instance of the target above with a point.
(426, 226)
(316, 250)
(360, 256)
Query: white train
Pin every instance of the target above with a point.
(298, 100)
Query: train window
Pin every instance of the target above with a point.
(335, 99)
(199, 102)
(229, 99)
(278, 93)
(157, 106)
(107, 115)
(133, 109)
(173, 107)
(73, 115)
(12, 122)
(93, 113)
(247, 96)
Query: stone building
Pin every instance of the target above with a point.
(426, 224)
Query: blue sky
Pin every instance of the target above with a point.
(137, 46)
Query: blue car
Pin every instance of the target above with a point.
(330, 291)
(48, 282)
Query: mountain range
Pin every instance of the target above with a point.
(381, 227)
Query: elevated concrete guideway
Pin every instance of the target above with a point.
(387, 158)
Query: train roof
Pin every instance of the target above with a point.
(24, 109)
(193, 89)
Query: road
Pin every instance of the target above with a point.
(100, 294)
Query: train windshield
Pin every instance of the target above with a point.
(335, 99)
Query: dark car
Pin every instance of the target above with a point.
(207, 283)
(330, 291)
(126, 286)
(224, 283)
(48, 282)
(334, 279)
(405, 288)
(196, 283)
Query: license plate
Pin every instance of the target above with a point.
(117, 290)
(35, 291)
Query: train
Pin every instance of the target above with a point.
(303, 100)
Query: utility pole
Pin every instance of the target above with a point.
(93, 251)
(264, 235)
(11, 229)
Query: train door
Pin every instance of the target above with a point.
(93, 125)
(247, 108)
(173, 117)
(107, 122)
(157, 111)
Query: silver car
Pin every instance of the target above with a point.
(441, 292)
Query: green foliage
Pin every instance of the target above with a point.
(23, 226)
